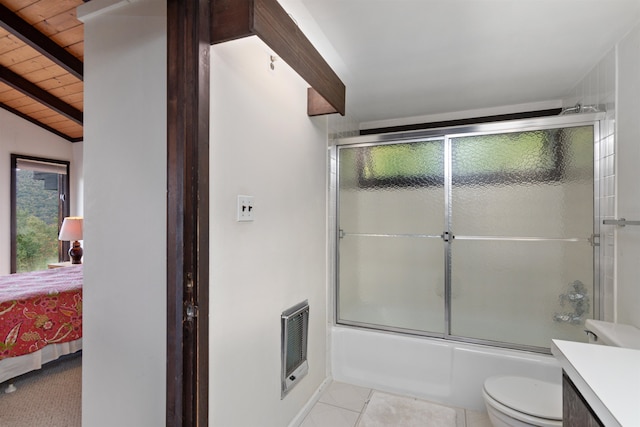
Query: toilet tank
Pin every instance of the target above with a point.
(612, 334)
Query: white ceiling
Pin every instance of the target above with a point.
(405, 58)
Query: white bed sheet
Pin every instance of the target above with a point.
(15, 366)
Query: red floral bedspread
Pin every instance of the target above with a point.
(39, 308)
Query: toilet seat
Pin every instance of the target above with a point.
(528, 396)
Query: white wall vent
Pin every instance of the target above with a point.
(295, 327)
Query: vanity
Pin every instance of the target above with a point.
(575, 410)
(601, 383)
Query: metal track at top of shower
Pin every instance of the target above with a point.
(567, 119)
(579, 109)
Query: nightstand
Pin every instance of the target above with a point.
(59, 264)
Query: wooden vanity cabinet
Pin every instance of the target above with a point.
(576, 412)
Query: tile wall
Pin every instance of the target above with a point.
(627, 136)
(598, 88)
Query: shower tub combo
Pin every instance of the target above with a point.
(461, 252)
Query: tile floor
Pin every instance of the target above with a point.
(341, 405)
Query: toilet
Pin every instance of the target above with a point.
(516, 401)
(513, 401)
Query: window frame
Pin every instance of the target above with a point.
(63, 207)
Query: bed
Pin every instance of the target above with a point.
(40, 318)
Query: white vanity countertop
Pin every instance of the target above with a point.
(607, 377)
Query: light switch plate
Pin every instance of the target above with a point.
(245, 208)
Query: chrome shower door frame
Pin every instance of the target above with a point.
(338, 234)
(447, 134)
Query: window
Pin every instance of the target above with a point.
(399, 165)
(39, 203)
(538, 156)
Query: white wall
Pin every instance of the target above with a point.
(77, 179)
(263, 145)
(18, 136)
(124, 356)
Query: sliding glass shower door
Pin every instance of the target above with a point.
(522, 217)
(484, 237)
(391, 265)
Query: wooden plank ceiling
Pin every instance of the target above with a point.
(39, 80)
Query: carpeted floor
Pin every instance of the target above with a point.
(50, 397)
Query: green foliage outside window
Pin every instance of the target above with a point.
(528, 156)
(37, 242)
(404, 160)
(35, 197)
(36, 220)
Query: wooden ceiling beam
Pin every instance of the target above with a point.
(36, 93)
(41, 43)
(38, 123)
(233, 19)
(317, 105)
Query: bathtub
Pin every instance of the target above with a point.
(448, 372)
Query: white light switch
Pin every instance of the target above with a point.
(245, 208)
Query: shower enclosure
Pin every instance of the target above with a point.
(484, 234)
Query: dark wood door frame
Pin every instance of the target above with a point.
(188, 47)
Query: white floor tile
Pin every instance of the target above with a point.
(478, 419)
(346, 396)
(323, 415)
(341, 405)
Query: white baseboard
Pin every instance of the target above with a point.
(299, 418)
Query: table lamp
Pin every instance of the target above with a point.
(71, 231)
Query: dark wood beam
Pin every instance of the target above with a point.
(232, 19)
(42, 96)
(38, 41)
(317, 105)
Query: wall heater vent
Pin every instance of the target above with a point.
(295, 327)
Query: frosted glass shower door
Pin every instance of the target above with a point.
(522, 209)
(390, 251)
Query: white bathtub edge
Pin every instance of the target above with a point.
(447, 372)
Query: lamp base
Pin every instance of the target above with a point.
(76, 253)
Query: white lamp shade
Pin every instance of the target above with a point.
(71, 229)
